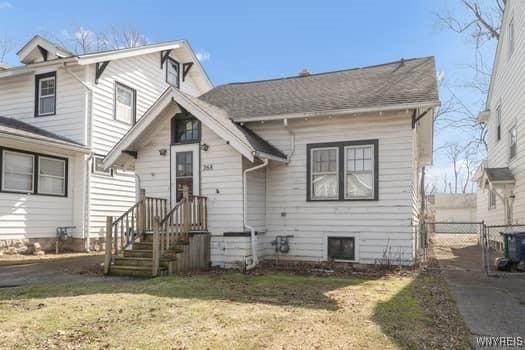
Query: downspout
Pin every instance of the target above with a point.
(253, 239)
(292, 139)
(88, 133)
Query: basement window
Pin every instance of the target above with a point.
(341, 248)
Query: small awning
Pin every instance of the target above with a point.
(500, 175)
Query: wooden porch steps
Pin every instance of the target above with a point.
(135, 271)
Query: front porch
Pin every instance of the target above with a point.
(151, 240)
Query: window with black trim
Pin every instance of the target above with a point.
(341, 248)
(125, 103)
(97, 167)
(26, 172)
(172, 72)
(45, 94)
(185, 129)
(342, 171)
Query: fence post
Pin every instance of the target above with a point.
(142, 211)
(107, 257)
(156, 247)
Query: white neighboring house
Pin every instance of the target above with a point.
(60, 114)
(501, 178)
(332, 160)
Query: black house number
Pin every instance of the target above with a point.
(207, 167)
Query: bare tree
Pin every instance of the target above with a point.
(6, 46)
(84, 40)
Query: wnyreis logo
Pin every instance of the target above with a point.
(500, 342)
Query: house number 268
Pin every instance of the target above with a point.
(207, 167)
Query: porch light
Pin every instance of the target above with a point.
(163, 152)
(205, 147)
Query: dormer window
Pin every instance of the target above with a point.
(45, 94)
(172, 72)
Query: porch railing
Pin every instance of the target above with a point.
(189, 214)
(124, 230)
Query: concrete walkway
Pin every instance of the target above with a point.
(491, 306)
(82, 269)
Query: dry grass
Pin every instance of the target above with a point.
(21, 259)
(234, 311)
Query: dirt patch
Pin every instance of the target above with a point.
(456, 251)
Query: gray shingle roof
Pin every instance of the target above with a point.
(260, 144)
(405, 81)
(10, 124)
(499, 175)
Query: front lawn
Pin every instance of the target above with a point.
(234, 311)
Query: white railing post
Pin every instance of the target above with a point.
(107, 257)
(156, 247)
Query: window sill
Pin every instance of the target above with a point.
(34, 194)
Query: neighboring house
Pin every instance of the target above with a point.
(501, 178)
(452, 207)
(326, 165)
(60, 114)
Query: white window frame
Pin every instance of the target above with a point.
(169, 63)
(41, 96)
(64, 177)
(512, 39)
(94, 170)
(4, 188)
(498, 122)
(133, 103)
(312, 173)
(492, 204)
(372, 171)
(513, 134)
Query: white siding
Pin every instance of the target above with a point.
(112, 196)
(508, 86)
(36, 216)
(256, 196)
(379, 226)
(17, 100)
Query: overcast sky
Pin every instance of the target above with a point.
(248, 40)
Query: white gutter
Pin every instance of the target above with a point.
(253, 238)
(341, 112)
(88, 123)
(43, 142)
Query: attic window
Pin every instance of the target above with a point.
(125, 103)
(172, 72)
(45, 94)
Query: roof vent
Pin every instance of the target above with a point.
(304, 73)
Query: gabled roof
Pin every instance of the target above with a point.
(400, 83)
(32, 51)
(245, 141)
(10, 127)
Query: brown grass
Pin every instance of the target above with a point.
(234, 311)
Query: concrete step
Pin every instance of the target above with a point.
(135, 271)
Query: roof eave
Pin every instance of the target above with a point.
(45, 142)
(326, 113)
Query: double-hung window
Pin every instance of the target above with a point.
(125, 103)
(172, 72)
(17, 172)
(342, 171)
(51, 176)
(25, 172)
(45, 94)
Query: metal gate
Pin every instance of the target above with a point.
(456, 245)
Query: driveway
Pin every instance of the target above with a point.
(491, 306)
(81, 269)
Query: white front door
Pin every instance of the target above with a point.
(185, 166)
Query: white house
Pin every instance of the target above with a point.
(501, 179)
(313, 167)
(60, 114)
